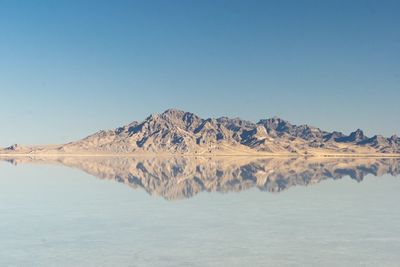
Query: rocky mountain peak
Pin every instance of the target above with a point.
(236, 124)
(358, 134)
(275, 123)
(173, 113)
(355, 137)
(175, 118)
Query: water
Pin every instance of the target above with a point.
(199, 212)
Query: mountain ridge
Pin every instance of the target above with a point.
(179, 132)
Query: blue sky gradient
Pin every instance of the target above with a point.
(70, 68)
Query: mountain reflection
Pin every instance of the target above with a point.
(184, 177)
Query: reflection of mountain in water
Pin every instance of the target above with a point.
(184, 177)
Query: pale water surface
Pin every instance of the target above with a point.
(199, 213)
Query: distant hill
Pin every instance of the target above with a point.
(179, 132)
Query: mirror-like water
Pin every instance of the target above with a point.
(199, 212)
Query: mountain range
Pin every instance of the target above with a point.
(179, 132)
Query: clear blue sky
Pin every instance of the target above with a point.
(70, 68)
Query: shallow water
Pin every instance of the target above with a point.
(195, 212)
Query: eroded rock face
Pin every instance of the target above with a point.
(179, 132)
(355, 137)
(184, 177)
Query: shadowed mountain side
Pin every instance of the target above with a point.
(179, 132)
(184, 177)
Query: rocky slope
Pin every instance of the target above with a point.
(184, 177)
(178, 132)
